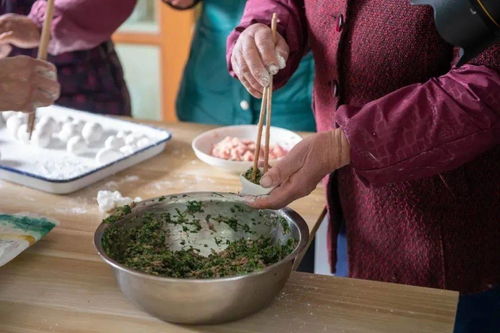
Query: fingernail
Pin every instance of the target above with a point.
(249, 199)
(266, 181)
(273, 69)
(48, 74)
(265, 79)
(281, 61)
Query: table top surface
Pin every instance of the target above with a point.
(61, 285)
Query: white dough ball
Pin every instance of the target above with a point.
(13, 124)
(40, 137)
(92, 132)
(122, 134)
(107, 155)
(143, 142)
(131, 139)
(114, 142)
(48, 123)
(22, 134)
(127, 150)
(7, 114)
(76, 145)
(67, 132)
(79, 124)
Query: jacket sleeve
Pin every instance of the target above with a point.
(82, 24)
(425, 129)
(291, 25)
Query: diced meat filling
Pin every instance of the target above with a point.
(235, 149)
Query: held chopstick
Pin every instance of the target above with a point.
(269, 101)
(265, 112)
(42, 52)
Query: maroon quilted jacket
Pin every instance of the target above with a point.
(421, 198)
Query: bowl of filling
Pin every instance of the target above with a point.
(200, 258)
(233, 147)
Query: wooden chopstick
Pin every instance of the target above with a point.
(265, 112)
(42, 52)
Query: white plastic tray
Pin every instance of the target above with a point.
(19, 162)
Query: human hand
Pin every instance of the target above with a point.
(181, 3)
(17, 30)
(256, 57)
(27, 83)
(298, 173)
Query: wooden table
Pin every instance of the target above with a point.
(60, 284)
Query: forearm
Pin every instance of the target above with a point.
(424, 129)
(82, 24)
(292, 26)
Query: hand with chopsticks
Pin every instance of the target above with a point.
(27, 83)
(300, 171)
(255, 57)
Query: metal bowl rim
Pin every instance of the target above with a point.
(293, 215)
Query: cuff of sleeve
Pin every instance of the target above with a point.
(37, 13)
(181, 8)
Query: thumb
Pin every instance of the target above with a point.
(280, 172)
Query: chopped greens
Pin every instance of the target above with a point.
(142, 245)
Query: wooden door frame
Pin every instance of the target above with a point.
(173, 40)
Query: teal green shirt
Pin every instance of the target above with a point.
(208, 94)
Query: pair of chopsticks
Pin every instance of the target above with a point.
(42, 53)
(265, 112)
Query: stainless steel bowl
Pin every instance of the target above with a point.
(210, 301)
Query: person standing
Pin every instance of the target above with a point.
(409, 142)
(89, 70)
(208, 94)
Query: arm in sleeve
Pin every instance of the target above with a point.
(425, 129)
(291, 25)
(82, 24)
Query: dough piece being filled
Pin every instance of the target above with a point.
(92, 132)
(76, 145)
(13, 124)
(22, 134)
(107, 155)
(114, 142)
(67, 132)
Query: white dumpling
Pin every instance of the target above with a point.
(92, 132)
(114, 142)
(107, 155)
(76, 145)
(122, 134)
(67, 132)
(127, 150)
(79, 124)
(13, 124)
(41, 137)
(22, 134)
(7, 114)
(130, 139)
(48, 123)
(143, 142)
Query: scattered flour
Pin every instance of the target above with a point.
(108, 200)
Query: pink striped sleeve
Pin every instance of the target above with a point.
(82, 24)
